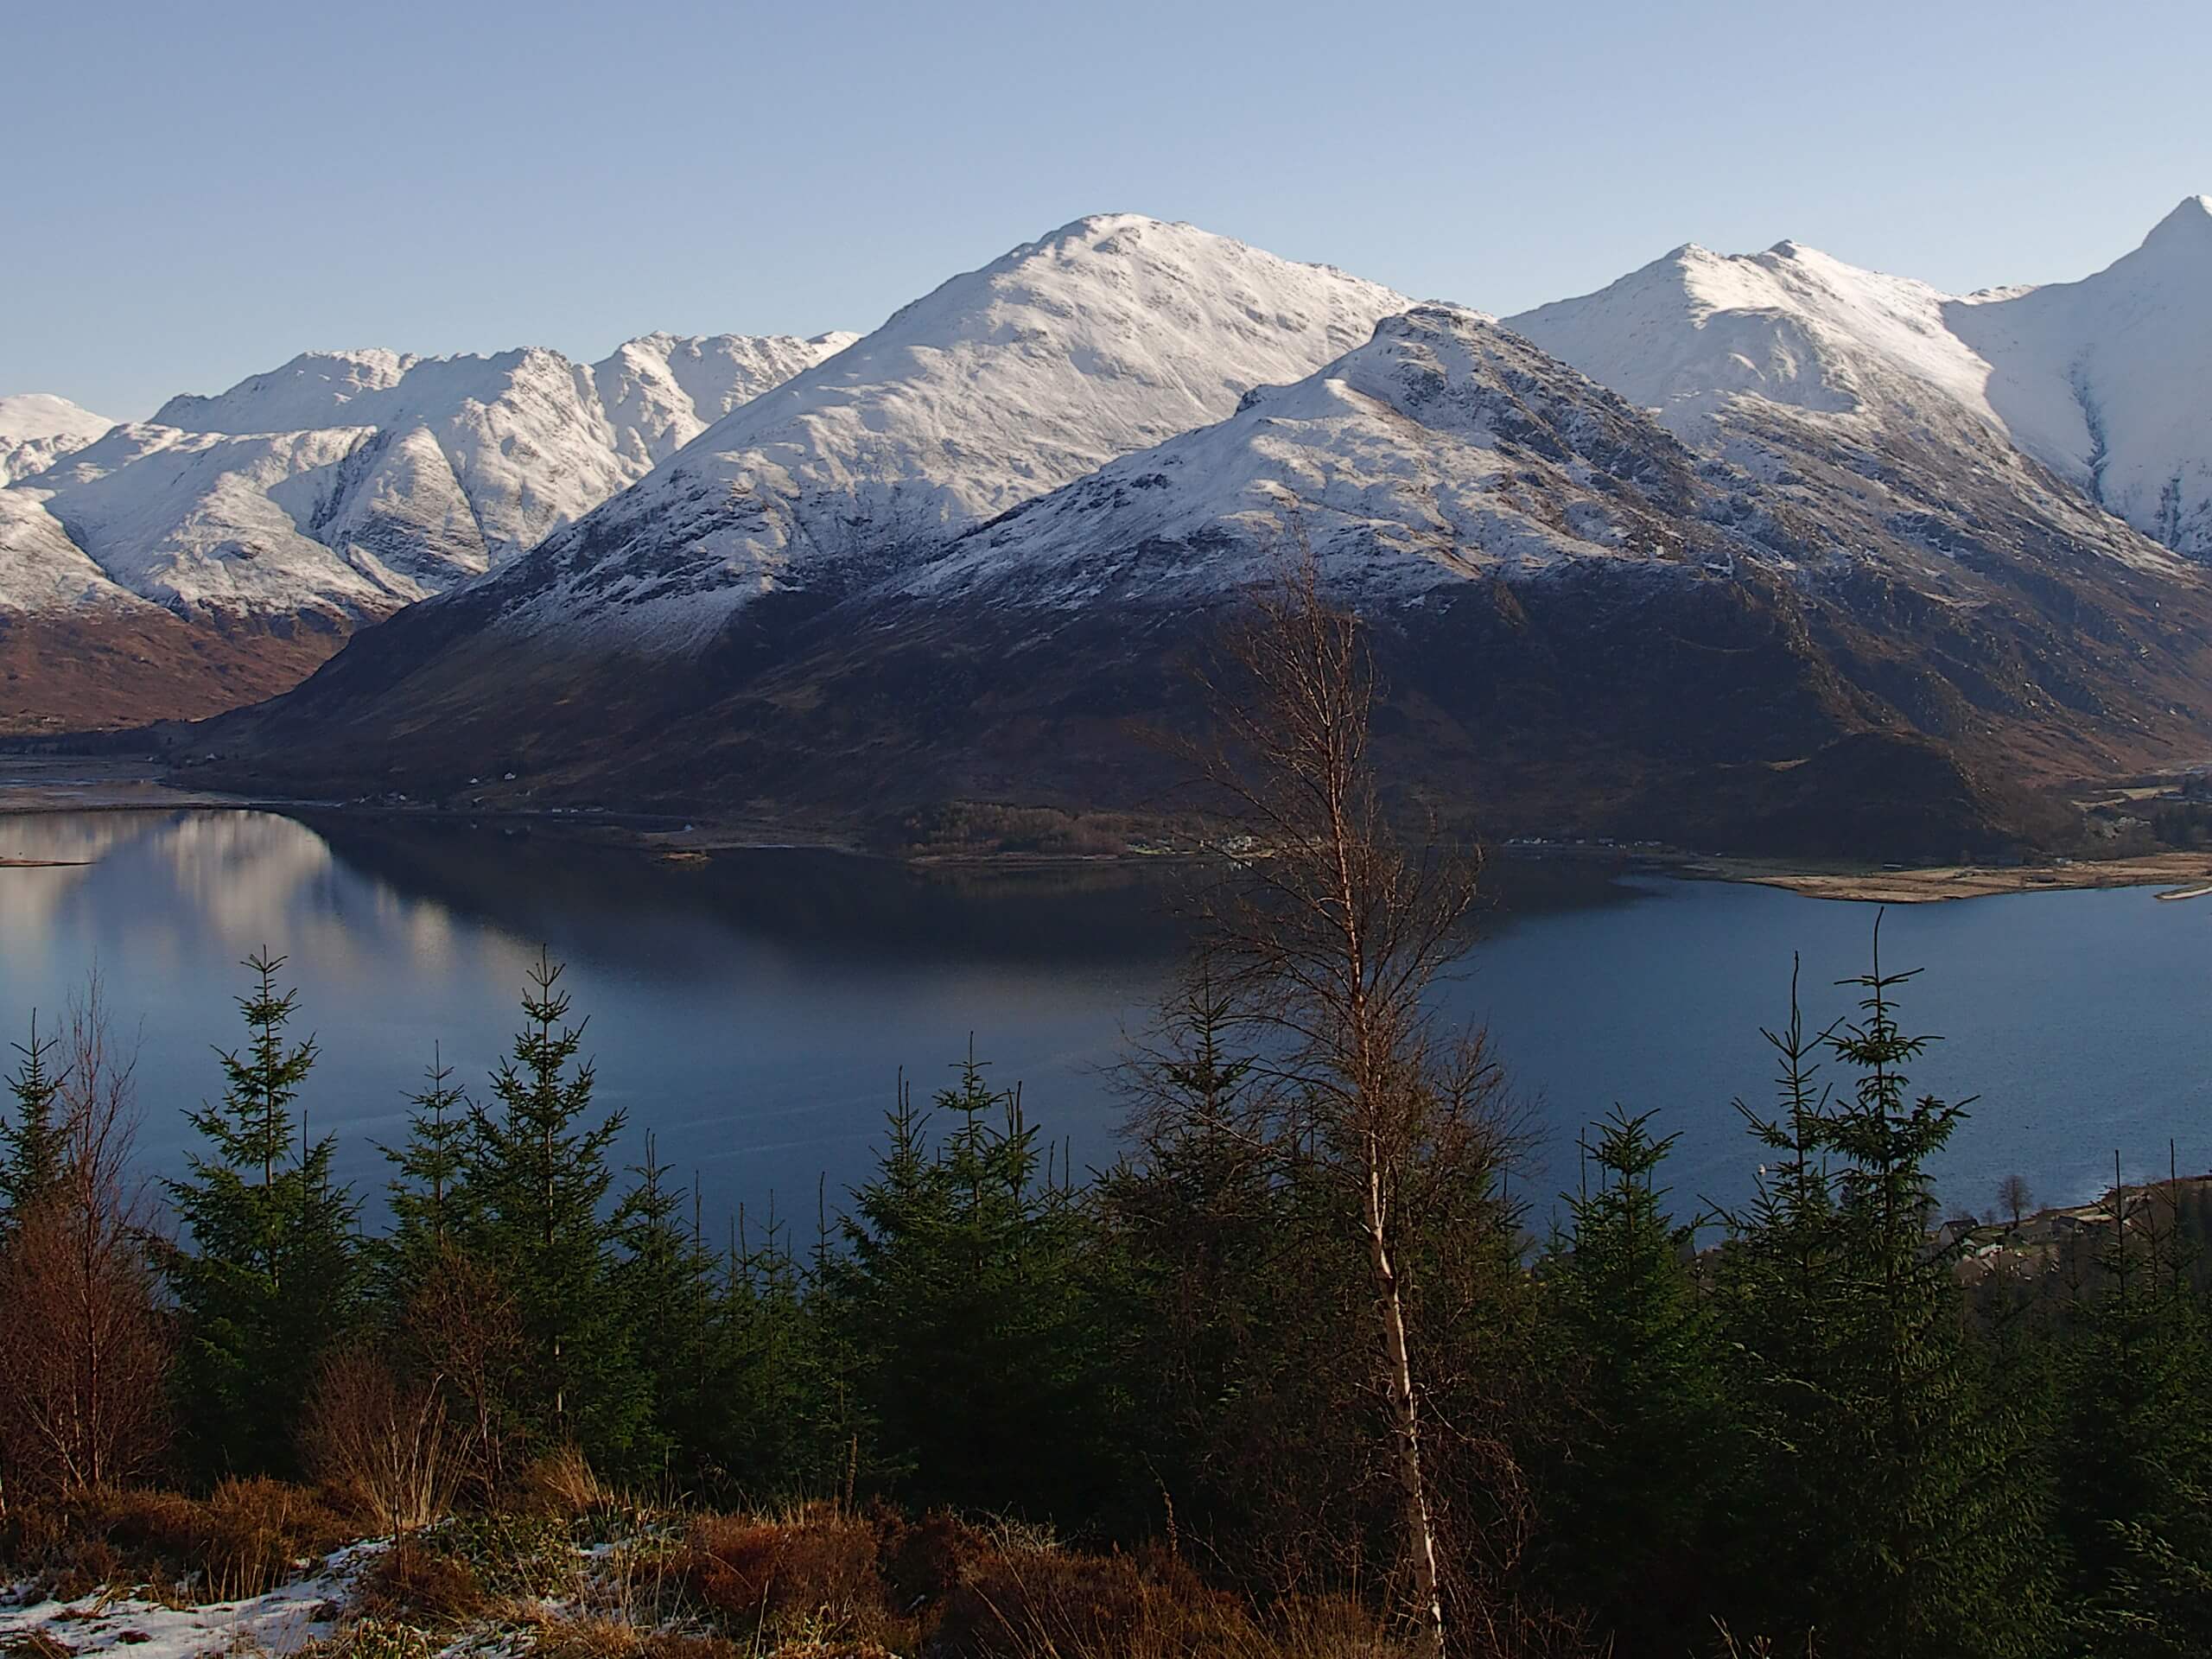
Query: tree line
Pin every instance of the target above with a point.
(1299, 1330)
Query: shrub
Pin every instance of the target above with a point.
(596, 1637)
(372, 1638)
(1016, 1603)
(259, 1532)
(509, 1554)
(924, 1560)
(385, 1441)
(413, 1581)
(817, 1570)
(561, 1483)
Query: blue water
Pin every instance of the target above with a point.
(754, 1013)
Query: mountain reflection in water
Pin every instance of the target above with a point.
(755, 1010)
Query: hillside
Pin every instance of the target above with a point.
(1589, 628)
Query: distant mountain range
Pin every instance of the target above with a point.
(216, 553)
(1763, 551)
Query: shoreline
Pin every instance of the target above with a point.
(1945, 883)
(37, 787)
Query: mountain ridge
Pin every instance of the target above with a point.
(1593, 628)
(279, 515)
(1741, 549)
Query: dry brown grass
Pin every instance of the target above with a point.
(817, 1583)
(415, 1583)
(260, 1533)
(816, 1575)
(244, 1538)
(1018, 1603)
(383, 1440)
(563, 1484)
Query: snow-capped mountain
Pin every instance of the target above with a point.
(1764, 551)
(2101, 382)
(1105, 336)
(532, 439)
(2108, 380)
(1443, 450)
(1609, 630)
(333, 491)
(36, 430)
(256, 527)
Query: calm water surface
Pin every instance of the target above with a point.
(754, 1013)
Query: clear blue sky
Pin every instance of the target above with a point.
(197, 192)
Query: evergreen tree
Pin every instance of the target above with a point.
(1630, 1511)
(786, 1425)
(271, 1277)
(1933, 1529)
(665, 1284)
(426, 1195)
(2134, 1453)
(536, 1178)
(964, 1293)
(1196, 1226)
(1777, 1275)
(33, 1144)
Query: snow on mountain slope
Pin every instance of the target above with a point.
(1111, 333)
(41, 570)
(2100, 381)
(1690, 332)
(36, 430)
(662, 390)
(344, 485)
(2108, 380)
(533, 440)
(213, 525)
(158, 574)
(1445, 450)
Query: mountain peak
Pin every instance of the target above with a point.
(37, 429)
(41, 414)
(2187, 228)
(1105, 336)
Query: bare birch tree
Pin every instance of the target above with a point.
(83, 1349)
(1326, 946)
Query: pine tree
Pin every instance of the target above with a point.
(964, 1291)
(665, 1284)
(537, 1177)
(1777, 1275)
(2133, 1462)
(785, 1426)
(1631, 1510)
(1212, 1254)
(32, 1144)
(271, 1276)
(426, 1195)
(1934, 1532)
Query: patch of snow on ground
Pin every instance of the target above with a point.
(281, 1622)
